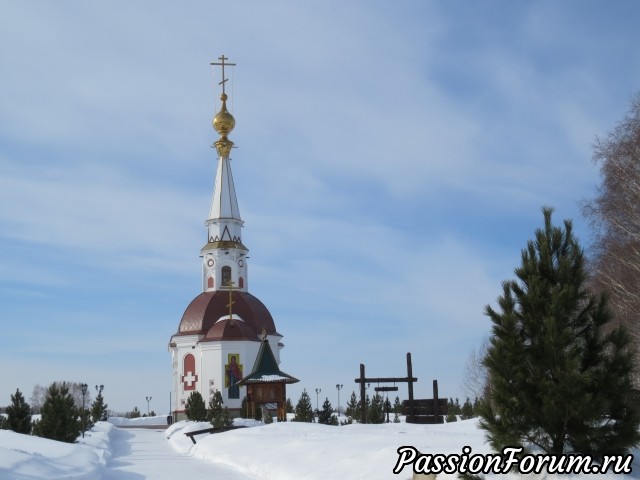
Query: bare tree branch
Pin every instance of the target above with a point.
(614, 215)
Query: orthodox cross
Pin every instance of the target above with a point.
(231, 288)
(222, 64)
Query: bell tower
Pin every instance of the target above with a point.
(224, 262)
(219, 335)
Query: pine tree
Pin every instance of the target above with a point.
(195, 408)
(289, 406)
(99, 409)
(457, 407)
(325, 415)
(59, 415)
(244, 407)
(559, 372)
(375, 413)
(215, 411)
(19, 414)
(397, 406)
(467, 410)
(135, 413)
(225, 418)
(304, 410)
(352, 407)
(451, 412)
(476, 407)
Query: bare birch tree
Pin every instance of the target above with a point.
(614, 214)
(475, 377)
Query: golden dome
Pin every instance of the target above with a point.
(224, 122)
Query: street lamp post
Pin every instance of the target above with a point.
(318, 390)
(339, 387)
(83, 389)
(148, 400)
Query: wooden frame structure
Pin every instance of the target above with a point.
(409, 380)
(417, 411)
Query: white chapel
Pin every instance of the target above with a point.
(222, 329)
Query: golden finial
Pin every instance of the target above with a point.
(223, 122)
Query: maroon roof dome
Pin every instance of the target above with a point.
(207, 308)
(225, 329)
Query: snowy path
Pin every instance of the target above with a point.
(145, 454)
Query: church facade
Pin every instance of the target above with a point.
(221, 331)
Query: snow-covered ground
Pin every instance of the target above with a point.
(138, 422)
(279, 451)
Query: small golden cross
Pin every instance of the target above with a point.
(231, 288)
(222, 64)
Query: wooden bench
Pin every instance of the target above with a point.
(425, 411)
(191, 435)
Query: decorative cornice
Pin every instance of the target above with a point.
(224, 245)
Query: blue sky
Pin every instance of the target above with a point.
(392, 161)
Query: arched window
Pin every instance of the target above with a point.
(210, 282)
(189, 377)
(226, 276)
(241, 282)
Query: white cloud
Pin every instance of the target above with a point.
(96, 211)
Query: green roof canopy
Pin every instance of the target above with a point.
(266, 370)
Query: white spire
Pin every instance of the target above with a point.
(224, 203)
(224, 256)
(224, 222)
